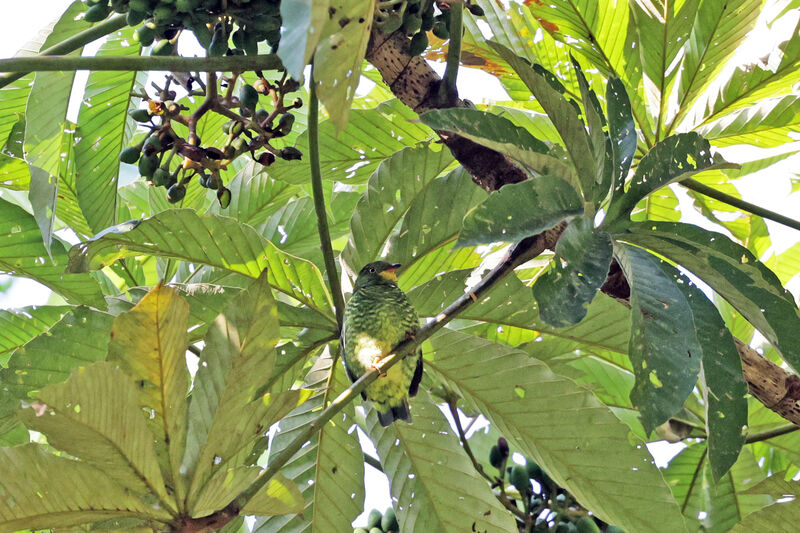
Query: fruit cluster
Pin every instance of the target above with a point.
(215, 23)
(249, 131)
(416, 18)
(380, 523)
(552, 507)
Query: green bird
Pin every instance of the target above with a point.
(377, 317)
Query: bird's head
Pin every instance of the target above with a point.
(379, 272)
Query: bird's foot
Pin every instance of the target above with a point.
(374, 366)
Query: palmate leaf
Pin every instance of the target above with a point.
(340, 54)
(18, 326)
(43, 491)
(22, 253)
(149, 343)
(499, 133)
(213, 240)
(433, 484)
(561, 426)
(104, 130)
(351, 156)
(95, 416)
(583, 257)
(766, 124)
(723, 503)
(387, 199)
(733, 272)
(330, 469)
(519, 210)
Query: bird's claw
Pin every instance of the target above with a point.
(374, 366)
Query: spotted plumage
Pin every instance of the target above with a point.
(377, 317)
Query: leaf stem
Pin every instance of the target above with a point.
(447, 88)
(696, 186)
(319, 202)
(66, 46)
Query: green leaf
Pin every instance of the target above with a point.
(672, 159)
(340, 54)
(387, 199)
(723, 503)
(767, 124)
(731, 271)
(280, 496)
(622, 131)
(433, 484)
(662, 204)
(561, 111)
(40, 492)
(330, 469)
(18, 326)
(561, 426)
(68, 208)
(499, 133)
(302, 23)
(664, 348)
(23, 254)
(718, 29)
(583, 257)
(208, 239)
(104, 130)
(149, 343)
(79, 338)
(519, 210)
(95, 416)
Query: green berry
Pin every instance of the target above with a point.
(148, 165)
(412, 23)
(145, 35)
(389, 522)
(224, 197)
(176, 193)
(376, 530)
(248, 97)
(614, 529)
(219, 44)
(519, 478)
(290, 153)
(202, 34)
(441, 30)
(134, 18)
(374, 518)
(360, 530)
(163, 48)
(260, 115)
(162, 177)
(587, 525)
(476, 10)
(392, 24)
(96, 13)
(495, 457)
(419, 42)
(130, 155)
(285, 124)
(534, 471)
(140, 115)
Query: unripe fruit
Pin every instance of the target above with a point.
(96, 13)
(412, 24)
(376, 530)
(495, 458)
(148, 165)
(534, 471)
(202, 34)
(476, 10)
(176, 193)
(145, 35)
(140, 115)
(291, 154)
(360, 530)
(134, 18)
(163, 48)
(502, 445)
(567, 527)
(419, 42)
(161, 177)
(224, 197)
(614, 529)
(130, 155)
(519, 478)
(389, 522)
(248, 97)
(260, 116)
(586, 525)
(441, 30)
(219, 44)
(285, 124)
(374, 518)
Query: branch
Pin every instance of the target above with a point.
(69, 45)
(24, 65)
(523, 251)
(447, 89)
(319, 202)
(738, 202)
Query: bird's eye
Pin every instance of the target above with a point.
(371, 270)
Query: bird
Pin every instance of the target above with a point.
(377, 317)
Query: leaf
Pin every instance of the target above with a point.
(330, 469)
(662, 204)
(561, 426)
(499, 133)
(622, 131)
(302, 22)
(43, 491)
(149, 343)
(387, 199)
(561, 112)
(767, 124)
(214, 240)
(718, 29)
(280, 496)
(22, 253)
(18, 326)
(731, 271)
(434, 487)
(95, 416)
(104, 130)
(519, 210)
(340, 54)
(68, 208)
(583, 257)
(672, 159)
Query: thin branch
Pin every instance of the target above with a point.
(319, 203)
(771, 433)
(741, 204)
(42, 63)
(447, 89)
(525, 250)
(374, 463)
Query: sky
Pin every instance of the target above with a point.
(22, 20)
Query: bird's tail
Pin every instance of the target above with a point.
(400, 412)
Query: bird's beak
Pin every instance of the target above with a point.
(391, 272)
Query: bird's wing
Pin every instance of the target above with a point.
(414, 387)
(348, 371)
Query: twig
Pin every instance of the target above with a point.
(319, 203)
(374, 463)
(448, 92)
(741, 204)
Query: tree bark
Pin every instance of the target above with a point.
(416, 84)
